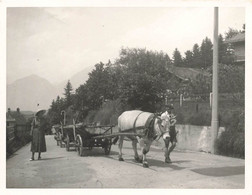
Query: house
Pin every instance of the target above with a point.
(10, 121)
(17, 120)
(237, 43)
(186, 74)
(17, 115)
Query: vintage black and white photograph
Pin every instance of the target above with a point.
(125, 97)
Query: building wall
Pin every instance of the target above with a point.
(239, 49)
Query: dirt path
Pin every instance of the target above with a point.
(62, 169)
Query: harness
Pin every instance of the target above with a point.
(148, 129)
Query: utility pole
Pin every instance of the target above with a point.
(215, 100)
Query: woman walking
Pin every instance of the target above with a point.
(38, 143)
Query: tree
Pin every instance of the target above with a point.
(80, 101)
(243, 28)
(144, 77)
(230, 33)
(99, 86)
(68, 93)
(201, 86)
(188, 60)
(232, 81)
(196, 56)
(206, 53)
(54, 114)
(177, 59)
(222, 48)
(226, 54)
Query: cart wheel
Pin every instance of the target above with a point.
(107, 149)
(76, 145)
(79, 145)
(67, 143)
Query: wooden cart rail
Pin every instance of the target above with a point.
(114, 135)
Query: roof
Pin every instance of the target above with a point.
(20, 119)
(237, 38)
(9, 118)
(187, 73)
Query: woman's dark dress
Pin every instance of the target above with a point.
(38, 143)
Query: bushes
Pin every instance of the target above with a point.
(231, 144)
(90, 117)
(201, 119)
(107, 114)
(232, 141)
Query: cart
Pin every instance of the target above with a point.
(82, 136)
(57, 133)
(69, 136)
(62, 135)
(89, 136)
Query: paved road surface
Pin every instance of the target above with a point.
(62, 169)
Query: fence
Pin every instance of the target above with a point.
(10, 135)
(16, 137)
(196, 109)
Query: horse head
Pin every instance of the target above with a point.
(161, 126)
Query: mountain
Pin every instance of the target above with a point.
(76, 80)
(27, 92)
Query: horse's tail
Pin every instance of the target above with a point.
(115, 140)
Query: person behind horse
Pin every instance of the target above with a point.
(38, 143)
(170, 135)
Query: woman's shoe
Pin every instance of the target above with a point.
(39, 157)
(31, 159)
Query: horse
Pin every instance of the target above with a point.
(142, 127)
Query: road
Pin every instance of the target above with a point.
(61, 169)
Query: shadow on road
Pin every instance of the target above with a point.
(11, 156)
(71, 150)
(153, 163)
(221, 171)
(51, 158)
(159, 163)
(97, 152)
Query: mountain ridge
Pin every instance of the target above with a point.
(27, 92)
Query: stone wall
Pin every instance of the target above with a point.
(193, 138)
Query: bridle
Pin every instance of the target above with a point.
(160, 127)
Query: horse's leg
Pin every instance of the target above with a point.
(134, 145)
(120, 144)
(145, 150)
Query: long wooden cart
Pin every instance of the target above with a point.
(81, 136)
(88, 137)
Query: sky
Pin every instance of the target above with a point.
(56, 43)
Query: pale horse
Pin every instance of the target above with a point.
(140, 127)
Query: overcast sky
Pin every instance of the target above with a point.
(56, 43)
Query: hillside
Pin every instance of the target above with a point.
(27, 92)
